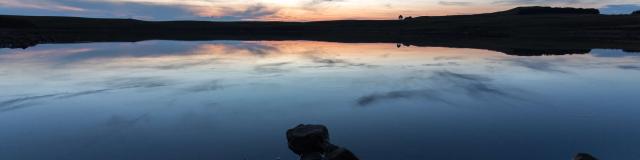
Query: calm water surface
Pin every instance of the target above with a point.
(234, 100)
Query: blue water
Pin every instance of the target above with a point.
(234, 100)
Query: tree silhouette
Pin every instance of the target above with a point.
(401, 17)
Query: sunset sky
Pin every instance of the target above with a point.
(285, 10)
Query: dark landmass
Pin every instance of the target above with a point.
(520, 31)
(631, 51)
(537, 10)
(636, 12)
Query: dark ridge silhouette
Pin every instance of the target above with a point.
(539, 10)
(10, 22)
(636, 12)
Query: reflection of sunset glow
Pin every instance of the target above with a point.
(243, 57)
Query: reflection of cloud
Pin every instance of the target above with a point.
(116, 121)
(402, 94)
(136, 82)
(27, 101)
(332, 62)
(629, 67)
(446, 58)
(22, 102)
(115, 84)
(474, 86)
(71, 95)
(181, 65)
(271, 68)
(143, 49)
(612, 53)
(538, 65)
(442, 64)
(207, 86)
(253, 48)
(37, 53)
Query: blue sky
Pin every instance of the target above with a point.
(287, 10)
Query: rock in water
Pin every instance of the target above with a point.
(311, 142)
(308, 139)
(584, 156)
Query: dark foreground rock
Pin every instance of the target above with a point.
(584, 156)
(311, 142)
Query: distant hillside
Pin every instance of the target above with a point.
(538, 10)
(636, 12)
(13, 22)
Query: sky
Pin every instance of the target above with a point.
(286, 10)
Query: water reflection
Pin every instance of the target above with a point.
(22, 102)
(629, 67)
(542, 65)
(234, 100)
(445, 87)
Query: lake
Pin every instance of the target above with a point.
(235, 100)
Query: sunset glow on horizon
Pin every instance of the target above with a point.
(285, 10)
